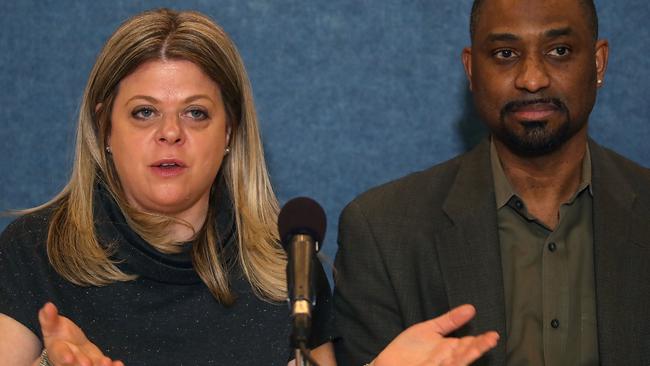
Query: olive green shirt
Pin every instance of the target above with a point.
(548, 277)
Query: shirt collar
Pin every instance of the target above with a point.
(504, 191)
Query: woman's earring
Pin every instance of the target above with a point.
(227, 150)
(108, 149)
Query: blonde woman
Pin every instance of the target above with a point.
(162, 249)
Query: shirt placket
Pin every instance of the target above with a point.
(555, 296)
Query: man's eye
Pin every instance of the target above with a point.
(559, 51)
(504, 54)
(143, 113)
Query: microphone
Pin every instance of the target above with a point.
(301, 224)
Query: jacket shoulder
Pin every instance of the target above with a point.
(631, 172)
(411, 195)
(629, 167)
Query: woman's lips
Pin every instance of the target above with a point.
(167, 168)
(167, 172)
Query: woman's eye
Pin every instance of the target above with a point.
(559, 51)
(197, 114)
(143, 113)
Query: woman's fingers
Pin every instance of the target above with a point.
(56, 326)
(60, 353)
(63, 354)
(66, 343)
(426, 343)
(48, 316)
(471, 348)
(453, 319)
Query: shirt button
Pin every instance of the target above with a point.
(555, 323)
(552, 246)
(519, 204)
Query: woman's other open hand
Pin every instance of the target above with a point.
(66, 343)
(426, 343)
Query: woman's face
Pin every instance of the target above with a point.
(168, 137)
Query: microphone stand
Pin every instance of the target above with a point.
(299, 360)
(301, 225)
(301, 327)
(299, 272)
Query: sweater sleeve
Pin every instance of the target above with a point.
(23, 268)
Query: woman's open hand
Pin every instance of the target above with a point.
(66, 343)
(425, 343)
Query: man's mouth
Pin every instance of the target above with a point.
(533, 110)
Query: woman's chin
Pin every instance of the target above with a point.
(170, 205)
(175, 200)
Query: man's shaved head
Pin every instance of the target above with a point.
(588, 5)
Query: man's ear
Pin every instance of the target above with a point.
(467, 64)
(601, 55)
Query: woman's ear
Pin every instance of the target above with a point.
(98, 106)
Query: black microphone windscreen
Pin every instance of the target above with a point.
(302, 215)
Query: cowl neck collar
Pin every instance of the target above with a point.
(136, 256)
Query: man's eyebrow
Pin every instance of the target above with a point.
(502, 37)
(510, 37)
(558, 32)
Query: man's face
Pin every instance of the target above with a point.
(533, 69)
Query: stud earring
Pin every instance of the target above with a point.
(600, 81)
(108, 150)
(227, 150)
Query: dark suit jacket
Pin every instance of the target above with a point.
(411, 249)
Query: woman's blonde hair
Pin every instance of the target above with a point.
(72, 243)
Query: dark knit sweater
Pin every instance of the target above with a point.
(167, 316)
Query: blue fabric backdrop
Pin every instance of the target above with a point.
(350, 93)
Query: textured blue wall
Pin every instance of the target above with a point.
(350, 93)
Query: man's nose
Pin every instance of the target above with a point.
(532, 75)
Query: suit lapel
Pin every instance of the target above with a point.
(614, 254)
(469, 249)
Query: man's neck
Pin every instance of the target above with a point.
(546, 182)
